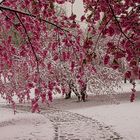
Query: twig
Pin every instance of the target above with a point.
(118, 23)
(29, 40)
(102, 32)
(119, 40)
(32, 15)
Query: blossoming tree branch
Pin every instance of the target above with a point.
(42, 48)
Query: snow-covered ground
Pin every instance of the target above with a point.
(24, 126)
(122, 118)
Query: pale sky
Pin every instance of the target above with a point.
(78, 9)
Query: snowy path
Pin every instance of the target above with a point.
(72, 126)
(72, 120)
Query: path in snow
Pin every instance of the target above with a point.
(72, 126)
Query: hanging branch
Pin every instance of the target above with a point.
(97, 40)
(118, 23)
(29, 40)
(119, 40)
(33, 16)
(36, 17)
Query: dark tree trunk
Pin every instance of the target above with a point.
(76, 93)
(125, 80)
(83, 93)
(73, 88)
(131, 80)
(68, 95)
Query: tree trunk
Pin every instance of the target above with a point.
(125, 80)
(83, 93)
(74, 89)
(68, 95)
(131, 80)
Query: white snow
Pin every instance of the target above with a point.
(23, 126)
(126, 87)
(123, 118)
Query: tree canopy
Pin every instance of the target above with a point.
(43, 49)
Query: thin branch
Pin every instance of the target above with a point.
(119, 40)
(32, 15)
(36, 17)
(29, 40)
(118, 23)
(102, 32)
